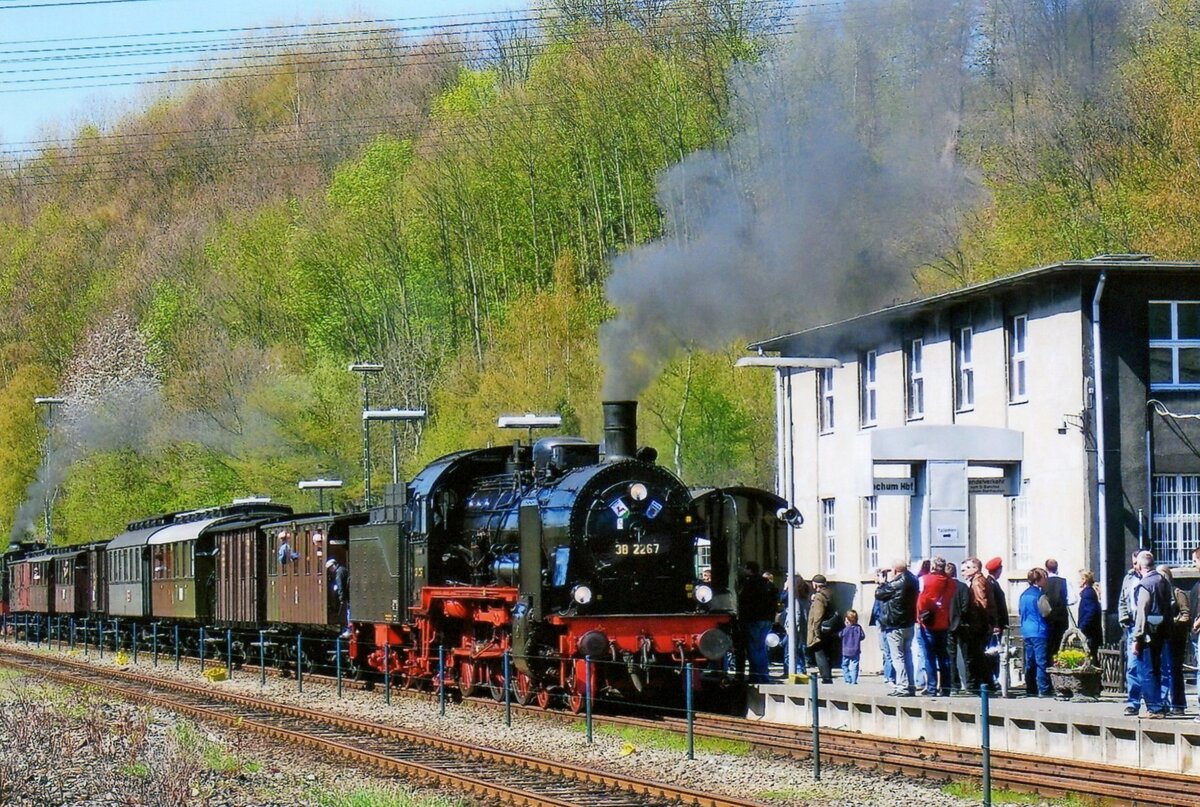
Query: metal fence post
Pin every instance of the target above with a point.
(587, 695)
(262, 659)
(816, 728)
(37, 632)
(154, 641)
(177, 647)
(203, 647)
(299, 662)
(691, 715)
(85, 637)
(387, 674)
(441, 680)
(986, 743)
(133, 630)
(507, 691)
(337, 652)
(71, 634)
(229, 653)
(100, 637)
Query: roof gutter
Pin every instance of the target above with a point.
(1101, 487)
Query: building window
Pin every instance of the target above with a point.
(1018, 523)
(868, 400)
(1176, 517)
(1174, 345)
(829, 533)
(871, 532)
(914, 368)
(825, 380)
(964, 370)
(1017, 346)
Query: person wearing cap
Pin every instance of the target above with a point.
(339, 588)
(999, 616)
(819, 639)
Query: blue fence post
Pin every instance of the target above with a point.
(587, 695)
(299, 663)
(986, 743)
(116, 636)
(85, 637)
(25, 628)
(71, 634)
(387, 674)
(203, 647)
(37, 631)
(135, 643)
(154, 641)
(507, 691)
(229, 652)
(100, 636)
(177, 647)
(337, 652)
(691, 715)
(4, 627)
(441, 680)
(262, 659)
(816, 728)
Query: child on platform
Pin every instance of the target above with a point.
(852, 637)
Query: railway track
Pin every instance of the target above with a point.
(484, 773)
(1035, 774)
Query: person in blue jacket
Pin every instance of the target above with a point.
(1090, 615)
(1035, 630)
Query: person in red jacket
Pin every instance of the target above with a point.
(933, 615)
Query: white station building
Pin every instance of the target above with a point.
(978, 422)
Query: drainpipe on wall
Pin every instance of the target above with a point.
(1101, 493)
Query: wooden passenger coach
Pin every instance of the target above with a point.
(128, 564)
(297, 583)
(241, 568)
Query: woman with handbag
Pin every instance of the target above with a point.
(933, 617)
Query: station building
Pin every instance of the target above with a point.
(980, 422)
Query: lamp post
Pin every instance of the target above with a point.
(785, 473)
(529, 422)
(395, 417)
(320, 486)
(367, 369)
(48, 503)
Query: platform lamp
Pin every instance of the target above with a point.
(320, 486)
(367, 369)
(395, 417)
(48, 503)
(529, 422)
(785, 472)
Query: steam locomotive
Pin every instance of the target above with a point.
(570, 560)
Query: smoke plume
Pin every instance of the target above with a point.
(820, 208)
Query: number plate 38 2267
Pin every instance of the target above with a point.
(637, 549)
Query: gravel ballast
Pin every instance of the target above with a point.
(735, 772)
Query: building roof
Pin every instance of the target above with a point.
(1139, 264)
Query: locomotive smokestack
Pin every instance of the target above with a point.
(620, 430)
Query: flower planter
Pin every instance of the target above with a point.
(1079, 684)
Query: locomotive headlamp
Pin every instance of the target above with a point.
(704, 594)
(638, 492)
(581, 594)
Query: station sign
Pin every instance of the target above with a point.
(988, 485)
(894, 486)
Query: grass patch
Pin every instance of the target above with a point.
(1000, 795)
(662, 740)
(137, 770)
(380, 796)
(787, 795)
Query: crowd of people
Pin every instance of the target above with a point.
(942, 632)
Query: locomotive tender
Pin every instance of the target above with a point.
(568, 558)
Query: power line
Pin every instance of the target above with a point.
(70, 3)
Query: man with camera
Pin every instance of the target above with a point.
(897, 594)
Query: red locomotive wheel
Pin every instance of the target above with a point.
(495, 686)
(575, 701)
(544, 698)
(523, 690)
(468, 678)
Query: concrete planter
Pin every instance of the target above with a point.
(1079, 684)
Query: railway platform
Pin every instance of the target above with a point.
(1092, 732)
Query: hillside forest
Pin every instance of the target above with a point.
(502, 216)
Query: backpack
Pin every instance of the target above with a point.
(1155, 613)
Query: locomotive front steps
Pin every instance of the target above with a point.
(1093, 732)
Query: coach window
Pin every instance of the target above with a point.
(307, 553)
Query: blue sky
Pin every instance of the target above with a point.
(38, 111)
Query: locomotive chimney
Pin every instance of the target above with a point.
(620, 430)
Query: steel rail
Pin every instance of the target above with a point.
(561, 784)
